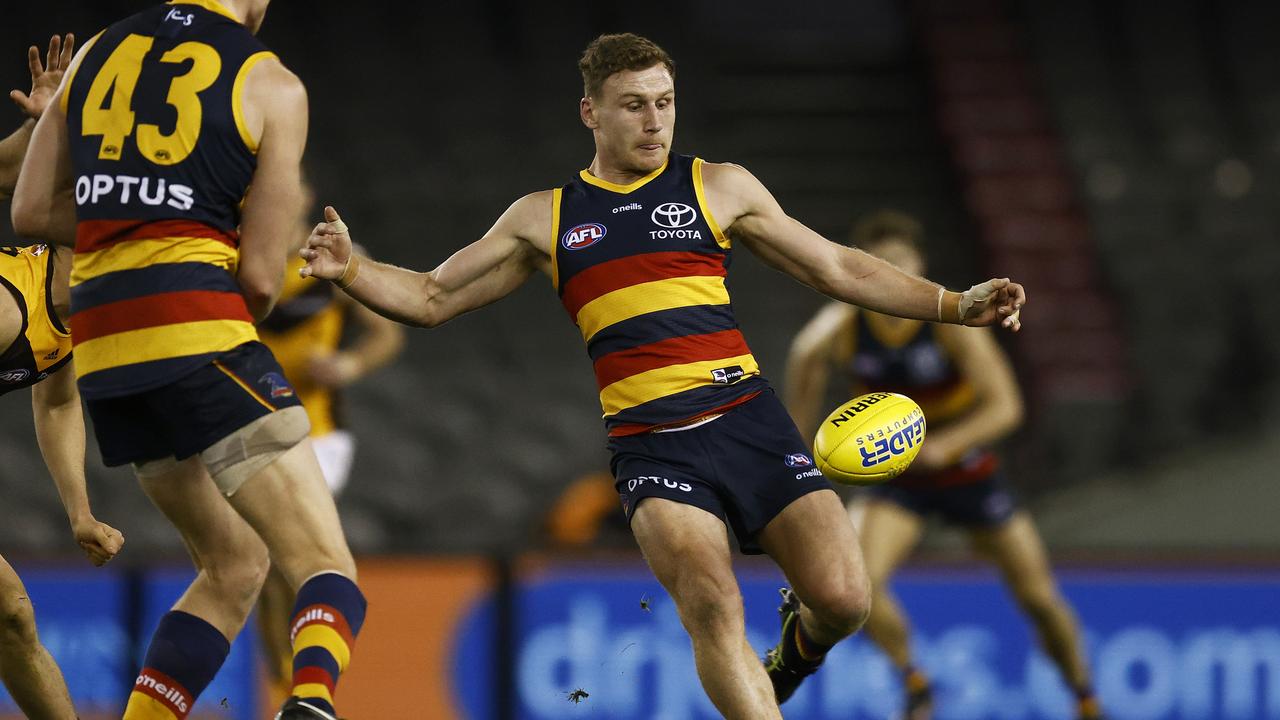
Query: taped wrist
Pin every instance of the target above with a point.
(951, 306)
(350, 273)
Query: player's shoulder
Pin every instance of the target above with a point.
(535, 208)
(732, 183)
(267, 74)
(725, 172)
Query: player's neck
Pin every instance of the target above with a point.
(613, 173)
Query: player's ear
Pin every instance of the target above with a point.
(587, 111)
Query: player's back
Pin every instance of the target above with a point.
(162, 159)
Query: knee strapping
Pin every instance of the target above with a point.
(242, 454)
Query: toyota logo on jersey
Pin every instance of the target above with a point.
(581, 236)
(673, 215)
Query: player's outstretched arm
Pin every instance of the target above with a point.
(275, 111)
(809, 365)
(478, 274)
(55, 405)
(754, 218)
(998, 409)
(35, 164)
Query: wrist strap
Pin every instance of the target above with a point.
(948, 311)
(350, 273)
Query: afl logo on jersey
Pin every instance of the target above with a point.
(673, 215)
(15, 376)
(582, 236)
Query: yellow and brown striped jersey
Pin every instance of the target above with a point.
(43, 345)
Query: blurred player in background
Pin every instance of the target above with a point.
(307, 333)
(35, 352)
(171, 157)
(965, 384)
(637, 246)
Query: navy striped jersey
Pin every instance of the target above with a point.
(162, 158)
(641, 270)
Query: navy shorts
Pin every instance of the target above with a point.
(984, 503)
(744, 467)
(189, 415)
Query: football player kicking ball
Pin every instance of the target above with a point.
(637, 247)
(970, 398)
(35, 351)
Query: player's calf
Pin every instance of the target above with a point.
(804, 645)
(327, 618)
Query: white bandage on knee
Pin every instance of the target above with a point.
(242, 454)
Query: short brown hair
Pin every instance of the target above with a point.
(609, 54)
(887, 225)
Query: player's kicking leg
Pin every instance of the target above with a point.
(813, 541)
(1017, 550)
(688, 550)
(26, 668)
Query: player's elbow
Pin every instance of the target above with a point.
(259, 295)
(30, 218)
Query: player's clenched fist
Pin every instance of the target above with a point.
(328, 251)
(99, 541)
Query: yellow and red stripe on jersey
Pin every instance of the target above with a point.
(151, 302)
(657, 326)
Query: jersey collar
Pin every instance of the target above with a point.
(590, 179)
(211, 5)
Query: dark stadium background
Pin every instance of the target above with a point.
(1122, 159)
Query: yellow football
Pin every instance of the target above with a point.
(870, 439)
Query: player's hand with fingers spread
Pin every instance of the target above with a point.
(996, 300)
(45, 78)
(328, 251)
(99, 540)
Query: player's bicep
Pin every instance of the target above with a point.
(482, 272)
(779, 240)
(269, 216)
(499, 262)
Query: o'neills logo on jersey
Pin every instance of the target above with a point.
(163, 688)
(727, 376)
(584, 235)
(309, 617)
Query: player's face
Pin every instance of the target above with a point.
(900, 254)
(634, 118)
